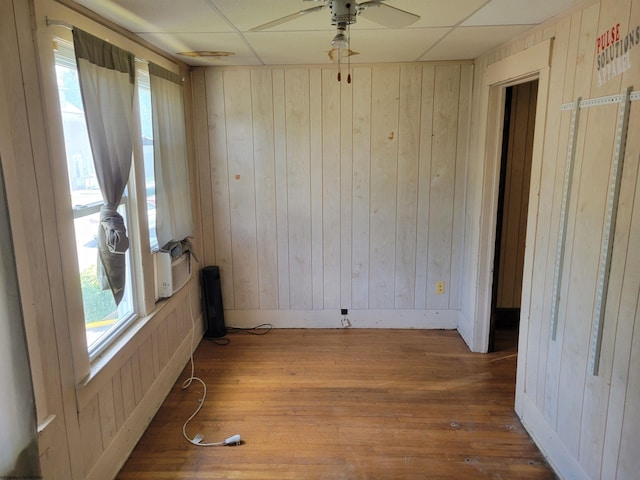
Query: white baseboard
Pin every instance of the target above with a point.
(400, 319)
(550, 444)
(465, 329)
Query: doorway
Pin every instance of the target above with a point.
(511, 215)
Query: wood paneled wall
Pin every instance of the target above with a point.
(23, 152)
(115, 408)
(86, 429)
(320, 195)
(587, 425)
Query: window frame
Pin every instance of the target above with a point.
(88, 362)
(142, 73)
(110, 336)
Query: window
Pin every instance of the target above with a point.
(103, 319)
(146, 124)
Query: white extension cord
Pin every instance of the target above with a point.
(197, 440)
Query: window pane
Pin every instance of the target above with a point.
(101, 315)
(146, 123)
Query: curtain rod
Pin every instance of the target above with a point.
(60, 23)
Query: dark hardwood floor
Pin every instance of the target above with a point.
(344, 404)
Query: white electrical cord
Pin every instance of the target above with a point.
(197, 440)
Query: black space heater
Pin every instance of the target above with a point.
(212, 299)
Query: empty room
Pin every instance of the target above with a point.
(319, 239)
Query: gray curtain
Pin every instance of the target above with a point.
(174, 219)
(107, 83)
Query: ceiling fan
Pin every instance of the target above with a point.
(344, 13)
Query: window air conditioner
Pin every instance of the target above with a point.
(171, 273)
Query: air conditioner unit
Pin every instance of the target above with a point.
(171, 273)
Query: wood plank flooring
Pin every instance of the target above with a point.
(344, 404)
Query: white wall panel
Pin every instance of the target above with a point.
(407, 196)
(265, 186)
(242, 186)
(349, 195)
(346, 195)
(329, 98)
(385, 92)
(297, 134)
(361, 169)
(316, 126)
(582, 422)
(443, 170)
(282, 200)
(216, 164)
(424, 186)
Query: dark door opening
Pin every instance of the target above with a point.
(511, 221)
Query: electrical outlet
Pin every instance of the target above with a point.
(440, 287)
(344, 311)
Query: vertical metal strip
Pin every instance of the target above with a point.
(562, 233)
(609, 232)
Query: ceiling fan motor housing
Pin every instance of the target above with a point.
(343, 12)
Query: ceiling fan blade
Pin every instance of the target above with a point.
(288, 18)
(386, 15)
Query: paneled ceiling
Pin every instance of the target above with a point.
(446, 30)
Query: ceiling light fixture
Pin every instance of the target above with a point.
(343, 14)
(341, 42)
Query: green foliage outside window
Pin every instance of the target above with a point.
(99, 307)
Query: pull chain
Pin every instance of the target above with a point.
(349, 54)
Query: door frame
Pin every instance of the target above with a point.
(503, 203)
(530, 64)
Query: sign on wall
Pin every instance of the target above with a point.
(613, 52)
